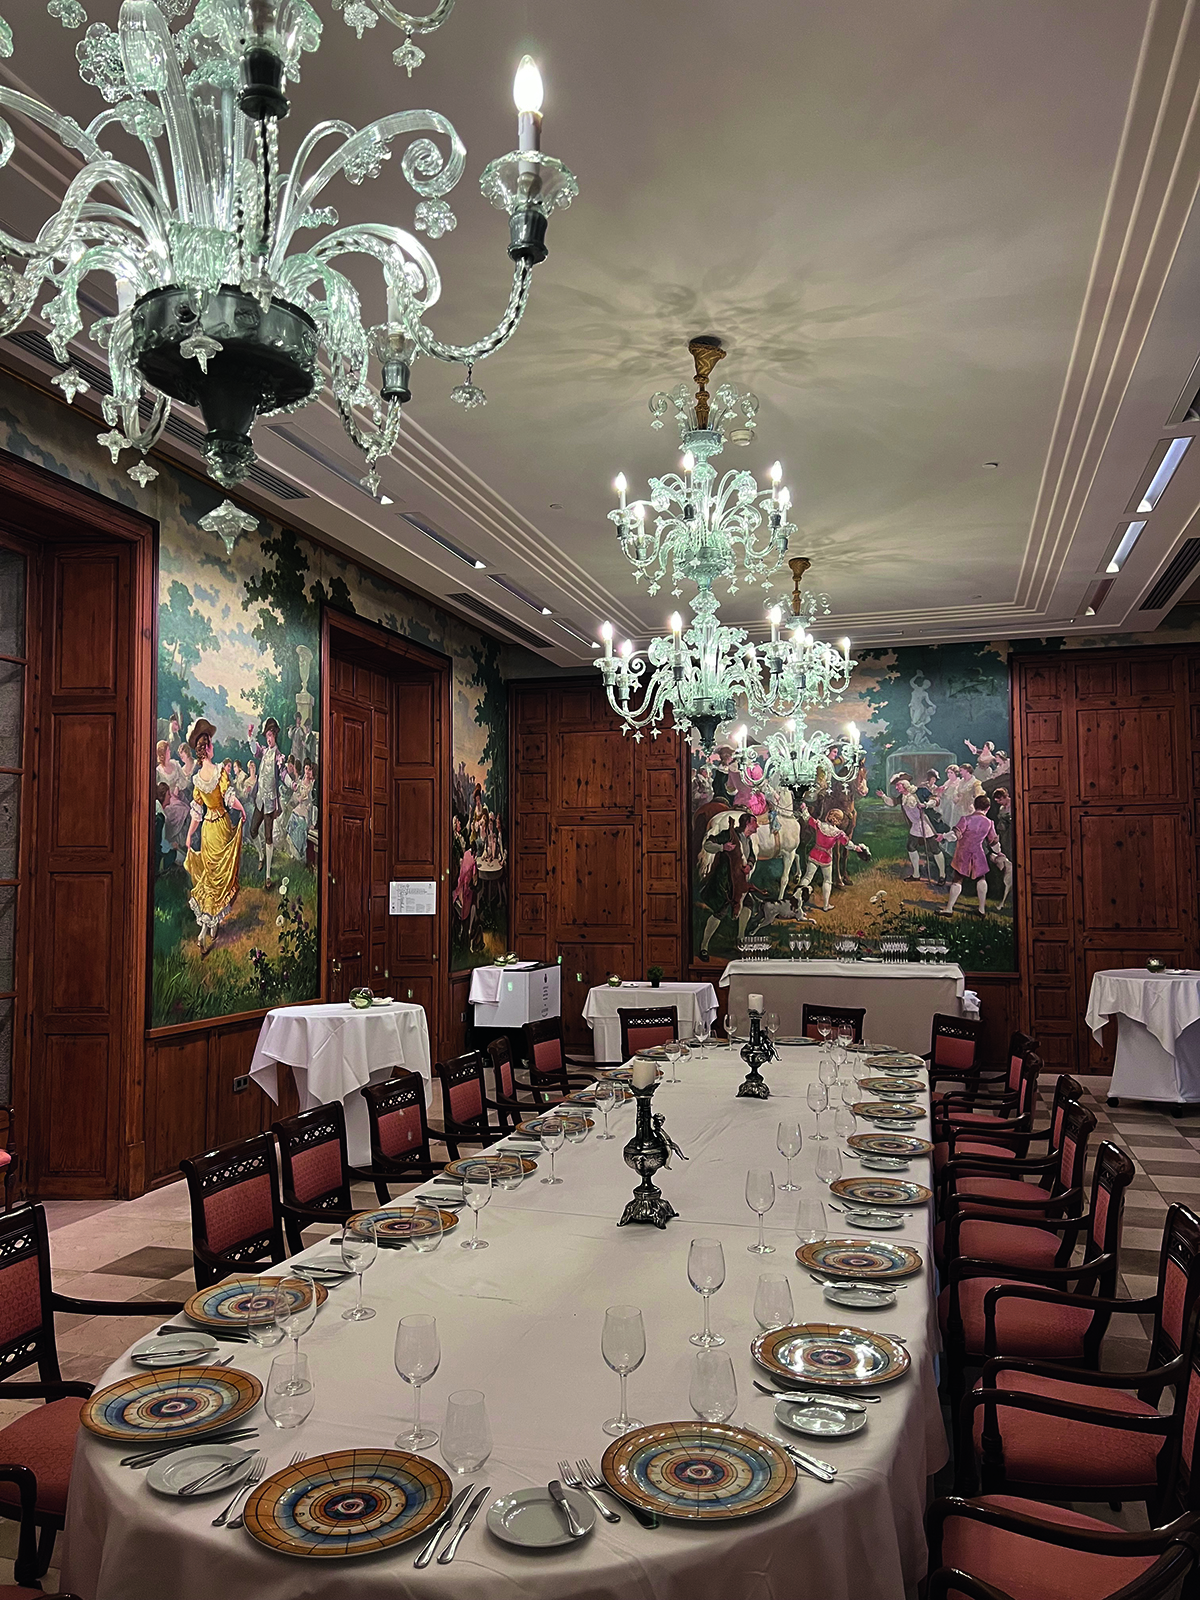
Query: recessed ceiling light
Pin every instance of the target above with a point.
(991, 463)
(1128, 540)
(1166, 470)
(555, 505)
(386, 500)
(431, 532)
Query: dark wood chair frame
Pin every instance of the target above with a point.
(219, 1169)
(509, 1109)
(836, 1016)
(319, 1125)
(1061, 1196)
(462, 1069)
(1019, 1045)
(23, 1233)
(419, 1163)
(651, 1017)
(558, 1082)
(1067, 1091)
(1008, 1114)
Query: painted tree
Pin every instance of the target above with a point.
(289, 614)
(184, 634)
(491, 714)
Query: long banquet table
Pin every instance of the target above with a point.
(522, 1322)
(900, 996)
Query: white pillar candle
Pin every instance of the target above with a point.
(756, 1003)
(643, 1074)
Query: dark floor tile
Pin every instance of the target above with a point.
(1156, 1141)
(1140, 1217)
(1183, 1197)
(1140, 1261)
(151, 1262)
(1175, 1169)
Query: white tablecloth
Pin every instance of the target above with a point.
(522, 1321)
(1158, 1037)
(333, 1050)
(900, 996)
(693, 1001)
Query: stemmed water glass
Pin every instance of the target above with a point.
(477, 1191)
(845, 1035)
(789, 1140)
(760, 1197)
(773, 1307)
(552, 1136)
(672, 1049)
(713, 1391)
(817, 1099)
(703, 1032)
(604, 1097)
(706, 1274)
(827, 1071)
(297, 1313)
(829, 1162)
(417, 1355)
(771, 1025)
(733, 1027)
(360, 1246)
(623, 1346)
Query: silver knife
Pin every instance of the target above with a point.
(844, 1401)
(440, 1526)
(559, 1495)
(217, 1472)
(468, 1518)
(825, 1470)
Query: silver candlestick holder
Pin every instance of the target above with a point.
(647, 1153)
(755, 1052)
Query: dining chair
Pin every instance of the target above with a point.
(42, 1441)
(315, 1173)
(25, 1564)
(976, 1118)
(504, 1099)
(547, 1063)
(1056, 1433)
(953, 1046)
(1001, 1548)
(464, 1102)
(814, 1018)
(1000, 1155)
(977, 1324)
(642, 1030)
(399, 1131)
(237, 1219)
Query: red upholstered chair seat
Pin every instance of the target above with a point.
(981, 1189)
(1027, 1248)
(9, 1592)
(43, 1440)
(1023, 1327)
(5, 1158)
(1029, 1569)
(1043, 1449)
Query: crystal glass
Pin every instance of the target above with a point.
(827, 1071)
(466, 1432)
(844, 1120)
(427, 1229)
(713, 1391)
(706, 1274)
(298, 1308)
(552, 1140)
(829, 1162)
(810, 1221)
(771, 1025)
(289, 1394)
(792, 943)
(508, 1175)
(817, 1098)
(845, 1035)
(477, 1191)
(576, 1129)
(703, 1032)
(605, 1094)
(623, 1346)
(773, 1306)
(263, 1307)
(789, 1140)
(824, 1033)
(676, 1049)
(734, 1023)
(417, 1355)
(359, 1249)
(760, 1197)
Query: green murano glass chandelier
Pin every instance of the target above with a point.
(220, 305)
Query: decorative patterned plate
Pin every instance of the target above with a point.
(178, 1404)
(881, 1191)
(396, 1225)
(623, 1074)
(652, 1052)
(892, 1059)
(227, 1303)
(586, 1097)
(698, 1471)
(859, 1258)
(887, 1087)
(863, 1049)
(455, 1169)
(348, 1503)
(535, 1124)
(900, 1145)
(882, 1111)
(831, 1354)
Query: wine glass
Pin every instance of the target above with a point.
(604, 1096)
(417, 1355)
(289, 1392)
(845, 1035)
(810, 1221)
(477, 1191)
(844, 1120)
(508, 1174)
(760, 1197)
(703, 1033)
(773, 1307)
(360, 1246)
(824, 1033)
(829, 1162)
(263, 1306)
(734, 1022)
(827, 1071)
(466, 1432)
(713, 1391)
(817, 1098)
(299, 1309)
(623, 1346)
(789, 1140)
(552, 1136)
(771, 1024)
(706, 1274)
(672, 1052)
(427, 1229)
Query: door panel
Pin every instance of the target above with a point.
(417, 834)
(584, 966)
(596, 875)
(350, 844)
(1130, 872)
(1126, 754)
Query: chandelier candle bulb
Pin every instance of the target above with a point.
(606, 633)
(621, 486)
(776, 617)
(527, 95)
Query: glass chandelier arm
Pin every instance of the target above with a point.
(293, 183)
(409, 23)
(141, 131)
(500, 334)
(66, 129)
(402, 258)
(152, 64)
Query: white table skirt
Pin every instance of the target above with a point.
(522, 1321)
(1158, 1031)
(900, 996)
(333, 1050)
(693, 1001)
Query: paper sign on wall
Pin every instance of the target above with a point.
(412, 898)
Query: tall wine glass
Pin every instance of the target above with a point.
(760, 1197)
(477, 1191)
(706, 1274)
(604, 1096)
(360, 1245)
(817, 1098)
(672, 1050)
(703, 1032)
(734, 1021)
(298, 1310)
(417, 1355)
(623, 1346)
(789, 1140)
(827, 1071)
(771, 1025)
(552, 1136)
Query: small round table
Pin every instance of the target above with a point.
(1158, 1032)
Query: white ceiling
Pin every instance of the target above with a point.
(933, 234)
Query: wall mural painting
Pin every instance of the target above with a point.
(917, 841)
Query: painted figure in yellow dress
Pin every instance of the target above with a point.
(213, 868)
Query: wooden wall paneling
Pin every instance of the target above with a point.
(176, 1101)
(530, 825)
(1000, 1012)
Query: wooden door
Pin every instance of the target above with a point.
(83, 797)
(19, 633)
(416, 837)
(358, 727)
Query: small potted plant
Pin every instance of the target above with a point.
(655, 974)
(614, 980)
(1154, 964)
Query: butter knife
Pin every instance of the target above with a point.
(217, 1472)
(824, 1470)
(559, 1495)
(468, 1518)
(440, 1526)
(801, 1398)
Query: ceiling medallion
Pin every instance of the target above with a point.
(218, 306)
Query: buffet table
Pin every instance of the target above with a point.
(522, 1321)
(695, 1003)
(1158, 1032)
(333, 1050)
(900, 996)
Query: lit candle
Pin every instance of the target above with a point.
(642, 1074)
(621, 485)
(689, 466)
(527, 96)
(785, 500)
(852, 730)
(676, 627)
(846, 648)
(776, 617)
(755, 1003)
(626, 651)
(776, 474)
(606, 633)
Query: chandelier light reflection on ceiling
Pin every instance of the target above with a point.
(217, 305)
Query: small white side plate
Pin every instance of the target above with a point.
(860, 1299)
(884, 1163)
(824, 1421)
(175, 1350)
(529, 1518)
(173, 1472)
(869, 1221)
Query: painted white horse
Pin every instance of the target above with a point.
(782, 845)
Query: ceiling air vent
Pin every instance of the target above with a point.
(498, 620)
(1184, 559)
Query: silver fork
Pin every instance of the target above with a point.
(240, 1520)
(574, 1480)
(590, 1481)
(257, 1468)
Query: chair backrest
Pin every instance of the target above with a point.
(312, 1154)
(1077, 1127)
(954, 1042)
(399, 1125)
(236, 1215)
(26, 1317)
(641, 1030)
(1113, 1175)
(1020, 1046)
(500, 1058)
(814, 1018)
(545, 1056)
(463, 1097)
(1067, 1091)
(1178, 1284)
